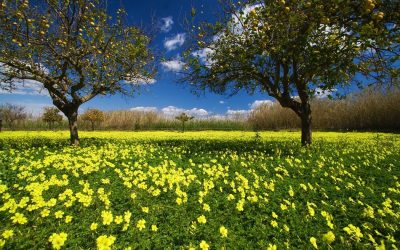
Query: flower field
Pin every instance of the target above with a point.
(199, 190)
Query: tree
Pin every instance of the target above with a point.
(51, 115)
(183, 118)
(94, 116)
(74, 49)
(12, 113)
(293, 49)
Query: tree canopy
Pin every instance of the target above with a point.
(93, 116)
(293, 49)
(74, 49)
(51, 115)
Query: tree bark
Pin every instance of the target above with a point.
(305, 116)
(92, 126)
(73, 127)
(1, 124)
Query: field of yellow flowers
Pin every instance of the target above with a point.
(199, 190)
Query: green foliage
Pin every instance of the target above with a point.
(75, 49)
(11, 113)
(51, 115)
(183, 118)
(94, 116)
(292, 49)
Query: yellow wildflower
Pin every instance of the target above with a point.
(329, 237)
(204, 245)
(118, 219)
(223, 231)
(68, 219)
(354, 231)
(272, 247)
(154, 228)
(107, 217)
(313, 241)
(7, 234)
(19, 219)
(45, 212)
(141, 224)
(105, 242)
(93, 226)
(59, 214)
(202, 219)
(58, 240)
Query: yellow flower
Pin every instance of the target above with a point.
(145, 210)
(141, 224)
(58, 240)
(284, 207)
(204, 245)
(105, 242)
(314, 242)
(45, 212)
(272, 247)
(291, 192)
(2, 242)
(206, 207)
(274, 223)
(354, 231)
(59, 214)
(93, 226)
(105, 181)
(286, 228)
(127, 217)
(274, 215)
(19, 219)
(107, 217)
(382, 246)
(223, 231)
(68, 219)
(118, 219)
(7, 234)
(178, 201)
(329, 237)
(154, 228)
(202, 219)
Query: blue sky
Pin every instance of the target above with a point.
(166, 94)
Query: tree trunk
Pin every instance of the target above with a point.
(183, 127)
(73, 128)
(1, 124)
(305, 116)
(92, 126)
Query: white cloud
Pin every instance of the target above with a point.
(221, 102)
(175, 65)
(167, 23)
(241, 112)
(144, 109)
(175, 42)
(172, 111)
(140, 81)
(237, 19)
(258, 103)
(320, 93)
(26, 87)
(204, 55)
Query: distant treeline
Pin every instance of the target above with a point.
(370, 110)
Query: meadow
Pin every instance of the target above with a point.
(199, 190)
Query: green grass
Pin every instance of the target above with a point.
(248, 183)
